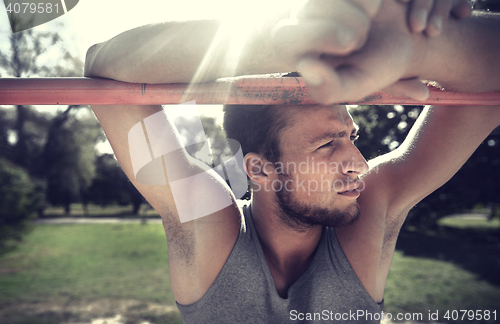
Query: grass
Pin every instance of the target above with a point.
(99, 211)
(73, 265)
(88, 262)
(470, 222)
(455, 267)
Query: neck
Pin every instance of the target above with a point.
(283, 247)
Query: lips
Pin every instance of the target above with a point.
(351, 189)
(349, 186)
(354, 193)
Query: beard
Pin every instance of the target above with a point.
(302, 216)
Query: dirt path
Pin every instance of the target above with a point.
(95, 220)
(104, 311)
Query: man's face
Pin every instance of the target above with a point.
(319, 168)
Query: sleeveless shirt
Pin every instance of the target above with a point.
(244, 291)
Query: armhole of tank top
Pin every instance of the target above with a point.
(230, 259)
(343, 262)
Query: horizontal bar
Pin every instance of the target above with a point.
(239, 91)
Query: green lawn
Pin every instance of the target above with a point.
(84, 263)
(99, 211)
(456, 268)
(470, 222)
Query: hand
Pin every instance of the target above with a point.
(307, 43)
(429, 15)
(388, 55)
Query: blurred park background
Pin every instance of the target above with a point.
(52, 166)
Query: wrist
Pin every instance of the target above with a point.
(465, 56)
(259, 54)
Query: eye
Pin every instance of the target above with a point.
(326, 145)
(354, 137)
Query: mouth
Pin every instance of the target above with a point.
(351, 190)
(353, 193)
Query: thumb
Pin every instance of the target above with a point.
(413, 88)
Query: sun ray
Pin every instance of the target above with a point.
(235, 30)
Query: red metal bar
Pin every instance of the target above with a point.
(257, 91)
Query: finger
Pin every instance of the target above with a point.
(342, 12)
(412, 88)
(315, 36)
(325, 85)
(328, 86)
(419, 13)
(439, 14)
(332, 9)
(462, 10)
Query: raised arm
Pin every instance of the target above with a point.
(439, 143)
(437, 146)
(173, 52)
(197, 51)
(197, 249)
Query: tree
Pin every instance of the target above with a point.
(490, 5)
(4, 136)
(32, 53)
(220, 148)
(383, 128)
(111, 185)
(21, 198)
(69, 156)
(25, 57)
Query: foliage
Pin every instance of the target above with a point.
(189, 132)
(382, 128)
(490, 5)
(28, 138)
(110, 185)
(4, 136)
(476, 183)
(21, 198)
(68, 157)
(29, 52)
(220, 149)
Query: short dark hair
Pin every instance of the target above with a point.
(256, 128)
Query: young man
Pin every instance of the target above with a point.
(299, 251)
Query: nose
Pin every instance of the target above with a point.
(355, 164)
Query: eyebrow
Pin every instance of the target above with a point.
(331, 135)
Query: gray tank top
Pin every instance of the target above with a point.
(244, 290)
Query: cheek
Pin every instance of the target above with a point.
(308, 167)
(310, 187)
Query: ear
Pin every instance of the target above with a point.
(258, 169)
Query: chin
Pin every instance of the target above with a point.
(302, 216)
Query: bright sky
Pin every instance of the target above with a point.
(94, 21)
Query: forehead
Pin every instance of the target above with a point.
(308, 122)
